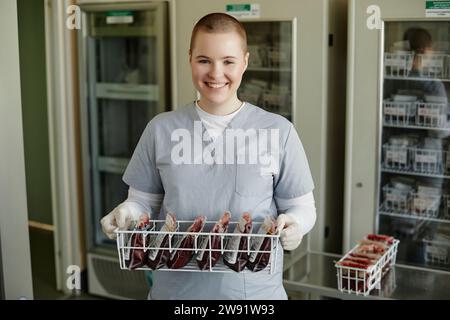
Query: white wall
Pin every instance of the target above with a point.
(15, 249)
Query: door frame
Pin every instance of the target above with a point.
(15, 257)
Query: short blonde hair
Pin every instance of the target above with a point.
(218, 22)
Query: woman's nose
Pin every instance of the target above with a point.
(215, 71)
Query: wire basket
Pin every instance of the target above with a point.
(432, 65)
(427, 160)
(200, 246)
(400, 113)
(436, 253)
(398, 64)
(432, 115)
(447, 67)
(396, 200)
(446, 200)
(396, 157)
(425, 205)
(362, 281)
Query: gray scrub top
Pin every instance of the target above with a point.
(210, 189)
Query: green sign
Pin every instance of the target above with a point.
(437, 9)
(238, 7)
(438, 5)
(244, 10)
(119, 13)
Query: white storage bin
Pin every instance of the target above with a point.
(432, 65)
(436, 253)
(272, 100)
(362, 281)
(432, 114)
(427, 160)
(400, 113)
(446, 200)
(425, 205)
(396, 157)
(252, 97)
(396, 200)
(398, 64)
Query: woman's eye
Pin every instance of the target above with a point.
(203, 61)
(228, 62)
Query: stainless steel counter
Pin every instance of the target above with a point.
(314, 273)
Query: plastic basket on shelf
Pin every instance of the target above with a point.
(252, 97)
(446, 200)
(362, 281)
(396, 200)
(399, 112)
(124, 246)
(437, 254)
(272, 100)
(432, 114)
(432, 65)
(447, 67)
(396, 157)
(398, 64)
(425, 205)
(427, 160)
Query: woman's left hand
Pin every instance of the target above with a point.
(291, 235)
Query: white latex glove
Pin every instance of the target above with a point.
(121, 217)
(291, 235)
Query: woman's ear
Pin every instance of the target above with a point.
(190, 55)
(247, 55)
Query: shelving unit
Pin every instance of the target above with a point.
(414, 166)
(268, 80)
(124, 77)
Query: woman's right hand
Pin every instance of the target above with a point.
(121, 217)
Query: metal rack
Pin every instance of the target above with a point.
(362, 281)
(201, 239)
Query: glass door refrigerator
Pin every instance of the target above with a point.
(293, 46)
(398, 133)
(267, 82)
(124, 78)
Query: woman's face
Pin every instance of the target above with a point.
(218, 62)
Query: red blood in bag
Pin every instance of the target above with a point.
(208, 257)
(179, 258)
(237, 256)
(136, 255)
(158, 256)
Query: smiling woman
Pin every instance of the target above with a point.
(280, 189)
(217, 70)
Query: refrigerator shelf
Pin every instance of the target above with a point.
(112, 164)
(410, 126)
(416, 79)
(127, 91)
(413, 173)
(410, 216)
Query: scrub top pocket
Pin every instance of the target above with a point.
(252, 181)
